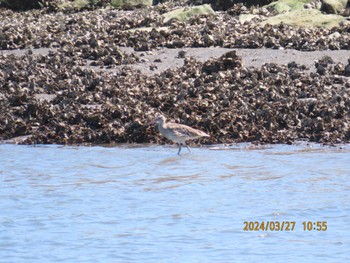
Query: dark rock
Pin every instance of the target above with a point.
(334, 6)
(20, 4)
(230, 60)
(226, 4)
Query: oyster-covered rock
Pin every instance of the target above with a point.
(73, 82)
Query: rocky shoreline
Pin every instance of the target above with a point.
(94, 77)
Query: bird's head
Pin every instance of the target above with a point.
(158, 120)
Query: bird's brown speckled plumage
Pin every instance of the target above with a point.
(178, 133)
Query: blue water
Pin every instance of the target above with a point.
(145, 204)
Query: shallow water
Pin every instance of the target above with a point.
(145, 204)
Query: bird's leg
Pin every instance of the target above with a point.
(178, 153)
(188, 147)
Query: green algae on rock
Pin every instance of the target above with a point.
(130, 4)
(306, 18)
(282, 6)
(185, 13)
(75, 5)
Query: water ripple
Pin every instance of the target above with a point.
(140, 203)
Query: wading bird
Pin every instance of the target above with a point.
(177, 133)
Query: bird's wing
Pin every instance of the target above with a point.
(186, 132)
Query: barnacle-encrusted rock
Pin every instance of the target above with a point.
(227, 4)
(79, 86)
(274, 104)
(230, 60)
(98, 33)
